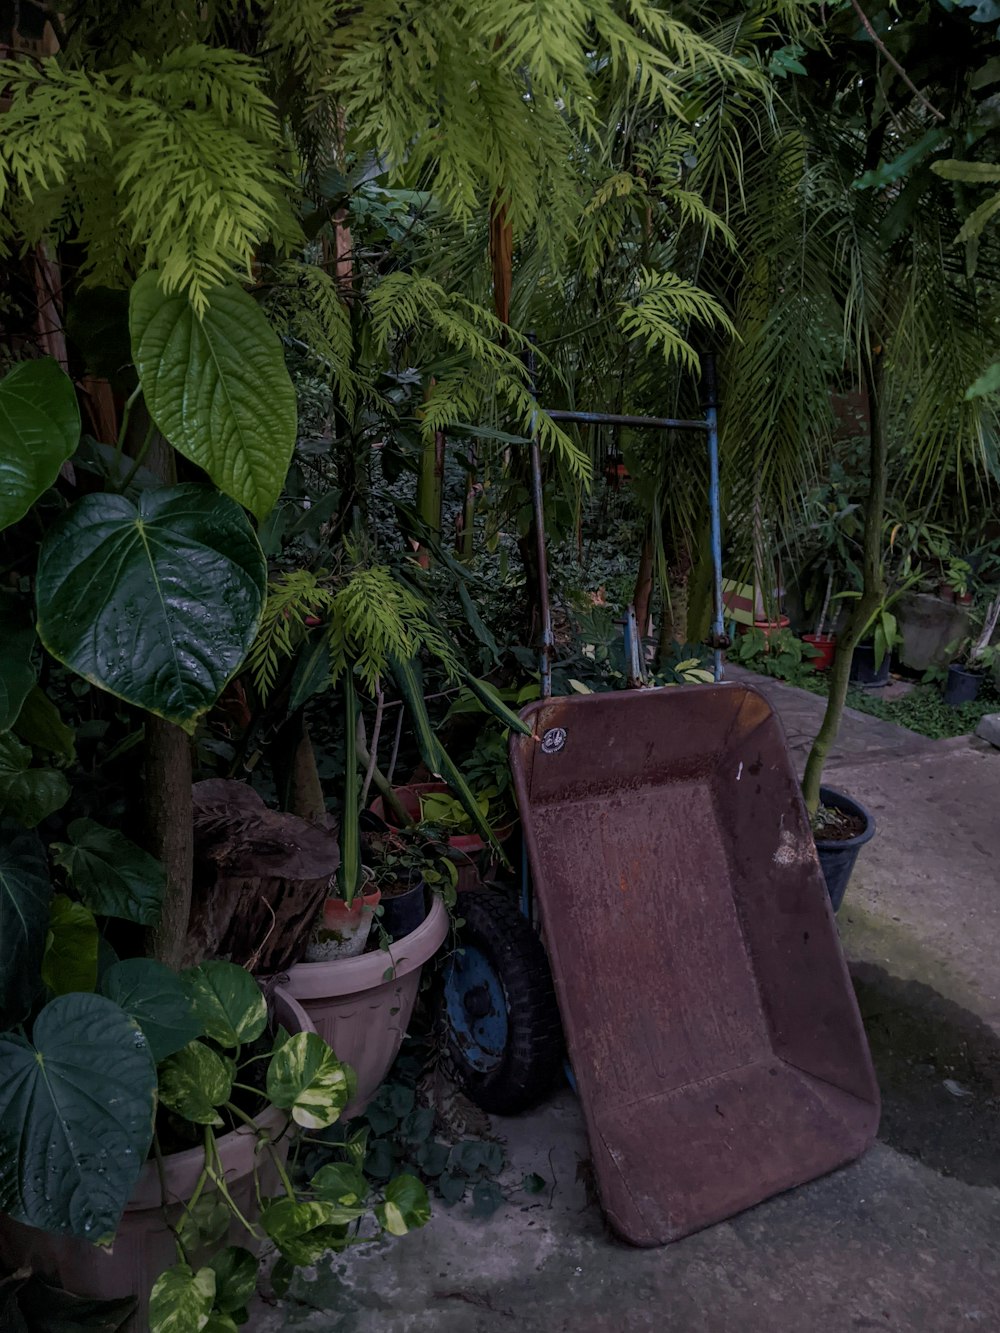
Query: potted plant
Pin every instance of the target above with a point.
(973, 657)
(406, 866)
(823, 644)
(148, 1125)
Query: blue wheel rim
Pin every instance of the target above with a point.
(477, 1009)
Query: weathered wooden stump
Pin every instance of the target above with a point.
(260, 878)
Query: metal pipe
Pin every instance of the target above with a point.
(712, 424)
(538, 513)
(616, 419)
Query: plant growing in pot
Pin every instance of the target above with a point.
(973, 658)
(406, 866)
(147, 1126)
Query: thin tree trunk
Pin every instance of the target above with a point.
(170, 831)
(643, 592)
(873, 589)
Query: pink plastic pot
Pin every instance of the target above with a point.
(143, 1246)
(359, 1013)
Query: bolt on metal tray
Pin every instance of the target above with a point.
(711, 1024)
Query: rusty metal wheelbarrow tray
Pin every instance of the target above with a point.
(712, 1029)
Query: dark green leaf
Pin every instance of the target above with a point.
(235, 1277)
(157, 604)
(432, 1158)
(25, 892)
(226, 1001)
(39, 724)
(70, 960)
(181, 1300)
(112, 875)
(217, 387)
(452, 1187)
(17, 642)
(380, 1161)
(533, 1183)
(39, 429)
(155, 997)
(312, 671)
(486, 1198)
(76, 1117)
(306, 1078)
(381, 1120)
(418, 1125)
(406, 1206)
(27, 795)
(399, 1099)
(194, 1081)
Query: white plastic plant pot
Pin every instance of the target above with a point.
(342, 931)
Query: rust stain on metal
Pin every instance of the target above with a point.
(711, 1024)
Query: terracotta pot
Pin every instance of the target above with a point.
(964, 598)
(346, 928)
(143, 1246)
(946, 592)
(357, 1011)
(826, 646)
(767, 627)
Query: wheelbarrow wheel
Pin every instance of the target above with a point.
(502, 1023)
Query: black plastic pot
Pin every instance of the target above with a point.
(863, 667)
(404, 912)
(837, 859)
(962, 686)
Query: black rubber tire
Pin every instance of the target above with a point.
(533, 1054)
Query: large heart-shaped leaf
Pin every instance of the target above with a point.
(156, 999)
(17, 675)
(194, 1081)
(76, 1117)
(70, 961)
(28, 794)
(39, 429)
(181, 1300)
(226, 1001)
(112, 875)
(25, 891)
(156, 604)
(217, 387)
(306, 1078)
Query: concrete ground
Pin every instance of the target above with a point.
(907, 1239)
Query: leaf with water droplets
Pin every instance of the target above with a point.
(76, 1117)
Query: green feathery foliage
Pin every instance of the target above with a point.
(370, 618)
(174, 165)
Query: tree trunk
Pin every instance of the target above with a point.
(170, 831)
(643, 592)
(873, 590)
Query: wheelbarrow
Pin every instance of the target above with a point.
(689, 944)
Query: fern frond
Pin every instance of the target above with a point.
(662, 304)
(291, 598)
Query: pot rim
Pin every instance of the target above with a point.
(237, 1148)
(961, 670)
(848, 805)
(350, 976)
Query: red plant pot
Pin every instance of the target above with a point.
(964, 598)
(826, 647)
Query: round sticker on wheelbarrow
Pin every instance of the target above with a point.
(553, 740)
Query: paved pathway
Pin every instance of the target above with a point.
(908, 1239)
